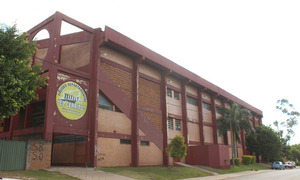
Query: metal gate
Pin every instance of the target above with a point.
(12, 155)
(69, 150)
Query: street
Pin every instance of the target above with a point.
(288, 174)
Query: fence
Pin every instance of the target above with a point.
(12, 155)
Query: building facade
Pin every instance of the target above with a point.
(110, 102)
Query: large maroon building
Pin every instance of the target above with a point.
(111, 101)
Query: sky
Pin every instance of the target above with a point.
(250, 48)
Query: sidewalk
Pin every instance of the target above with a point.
(196, 167)
(88, 173)
(230, 175)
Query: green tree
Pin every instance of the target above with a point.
(235, 119)
(294, 153)
(265, 142)
(177, 147)
(290, 116)
(18, 79)
(288, 120)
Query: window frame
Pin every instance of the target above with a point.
(144, 143)
(206, 106)
(169, 92)
(109, 106)
(177, 124)
(125, 141)
(191, 100)
(170, 121)
(176, 95)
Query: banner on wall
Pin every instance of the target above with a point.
(71, 100)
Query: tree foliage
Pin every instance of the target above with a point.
(294, 153)
(285, 124)
(265, 142)
(235, 119)
(18, 79)
(177, 147)
(290, 120)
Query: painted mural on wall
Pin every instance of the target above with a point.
(71, 100)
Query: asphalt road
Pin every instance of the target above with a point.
(288, 174)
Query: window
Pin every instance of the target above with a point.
(145, 143)
(170, 123)
(117, 109)
(169, 92)
(68, 138)
(178, 124)
(125, 141)
(176, 95)
(105, 103)
(206, 106)
(21, 118)
(38, 114)
(218, 110)
(192, 101)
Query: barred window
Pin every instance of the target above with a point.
(170, 123)
(178, 124)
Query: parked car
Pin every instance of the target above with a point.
(293, 164)
(277, 165)
(288, 165)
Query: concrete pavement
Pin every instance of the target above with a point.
(195, 167)
(92, 174)
(88, 173)
(228, 176)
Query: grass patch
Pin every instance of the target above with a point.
(35, 175)
(157, 173)
(237, 168)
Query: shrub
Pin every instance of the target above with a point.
(247, 159)
(253, 158)
(297, 163)
(177, 148)
(237, 161)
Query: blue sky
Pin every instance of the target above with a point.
(249, 48)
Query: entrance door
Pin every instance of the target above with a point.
(69, 150)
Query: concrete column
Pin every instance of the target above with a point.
(54, 53)
(163, 104)
(184, 111)
(135, 122)
(214, 119)
(200, 114)
(93, 101)
(253, 121)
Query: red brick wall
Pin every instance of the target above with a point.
(149, 97)
(156, 119)
(120, 77)
(149, 94)
(38, 154)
